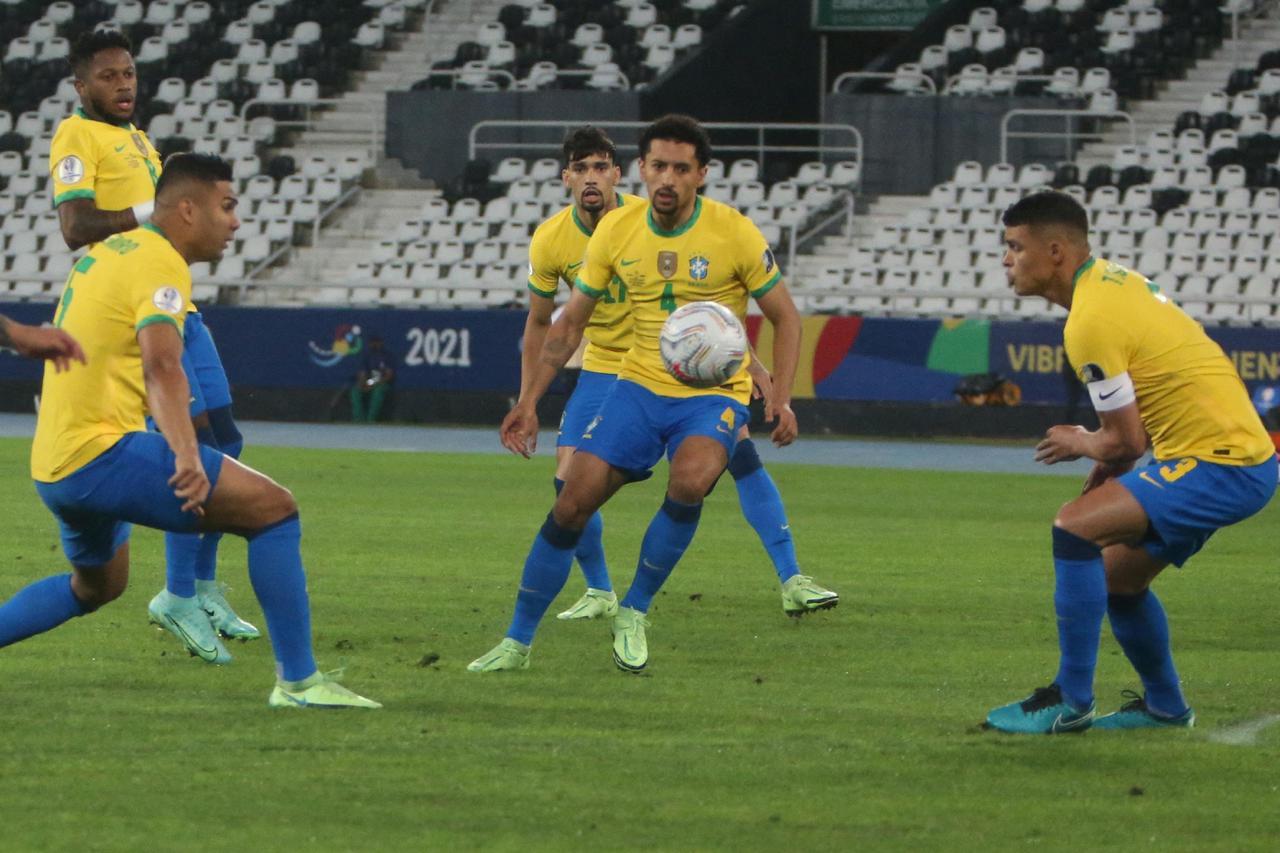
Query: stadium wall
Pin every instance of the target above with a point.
(912, 144)
(428, 129)
(857, 375)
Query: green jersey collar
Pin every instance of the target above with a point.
(1084, 268)
(127, 125)
(697, 211)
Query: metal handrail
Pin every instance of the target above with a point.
(457, 73)
(930, 87)
(1070, 135)
(1015, 79)
(853, 151)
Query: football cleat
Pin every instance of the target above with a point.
(593, 604)
(630, 647)
(800, 595)
(224, 620)
(318, 690)
(1135, 714)
(1045, 711)
(183, 618)
(507, 655)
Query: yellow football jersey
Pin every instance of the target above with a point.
(1191, 400)
(127, 282)
(717, 256)
(113, 164)
(555, 254)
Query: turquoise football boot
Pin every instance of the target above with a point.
(1135, 714)
(1043, 712)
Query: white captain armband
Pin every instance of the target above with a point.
(1111, 394)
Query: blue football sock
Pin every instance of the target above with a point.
(1142, 630)
(545, 571)
(762, 507)
(665, 541)
(181, 554)
(37, 607)
(207, 557)
(275, 570)
(590, 550)
(1080, 599)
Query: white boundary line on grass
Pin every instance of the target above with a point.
(1246, 733)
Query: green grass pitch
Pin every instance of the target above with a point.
(852, 729)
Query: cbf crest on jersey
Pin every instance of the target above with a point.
(667, 263)
(139, 144)
(698, 267)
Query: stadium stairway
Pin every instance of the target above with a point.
(1257, 36)
(391, 192)
(1210, 74)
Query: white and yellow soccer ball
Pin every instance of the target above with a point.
(703, 344)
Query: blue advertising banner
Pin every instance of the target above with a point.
(323, 348)
(842, 358)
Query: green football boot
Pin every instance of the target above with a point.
(1135, 714)
(800, 595)
(318, 690)
(183, 618)
(630, 648)
(593, 604)
(508, 655)
(213, 601)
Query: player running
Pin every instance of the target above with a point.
(104, 177)
(99, 471)
(1151, 371)
(678, 248)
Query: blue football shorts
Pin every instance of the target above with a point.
(583, 404)
(1188, 500)
(205, 373)
(633, 426)
(129, 484)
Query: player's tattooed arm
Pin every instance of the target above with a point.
(82, 222)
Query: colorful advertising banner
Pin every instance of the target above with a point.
(842, 358)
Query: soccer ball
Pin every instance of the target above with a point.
(703, 344)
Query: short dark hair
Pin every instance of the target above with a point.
(91, 43)
(1048, 207)
(585, 141)
(678, 128)
(189, 166)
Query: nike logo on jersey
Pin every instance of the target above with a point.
(573, 266)
(630, 261)
(119, 148)
(1107, 396)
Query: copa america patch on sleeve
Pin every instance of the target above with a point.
(168, 299)
(70, 170)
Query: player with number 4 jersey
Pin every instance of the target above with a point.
(1152, 372)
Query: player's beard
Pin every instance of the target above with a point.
(592, 206)
(107, 109)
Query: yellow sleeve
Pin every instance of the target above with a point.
(161, 294)
(1097, 347)
(544, 278)
(756, 265)
(73, 162)
(597, 267)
